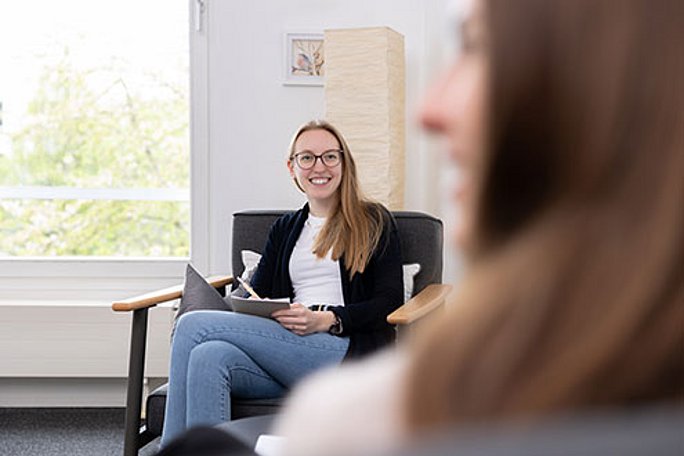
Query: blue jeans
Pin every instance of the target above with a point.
(218, 354)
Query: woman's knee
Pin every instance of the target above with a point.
(215, 356)
(191, 323)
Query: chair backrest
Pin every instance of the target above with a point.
(422, 241)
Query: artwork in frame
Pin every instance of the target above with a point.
(304, 59)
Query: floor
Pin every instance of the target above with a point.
(63, 432)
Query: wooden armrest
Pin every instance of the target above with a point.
(166, 294)
(430, 298)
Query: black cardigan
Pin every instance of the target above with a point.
(368, 297)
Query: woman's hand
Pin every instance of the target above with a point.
(302, 321)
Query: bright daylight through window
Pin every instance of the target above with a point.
(94, 135)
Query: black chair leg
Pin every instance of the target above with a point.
(136, 369)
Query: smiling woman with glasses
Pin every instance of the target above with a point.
(337, 259)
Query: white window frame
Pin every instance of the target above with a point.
(60, 278)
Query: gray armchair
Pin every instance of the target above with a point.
(421, 242)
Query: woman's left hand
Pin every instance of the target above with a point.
(301, 320)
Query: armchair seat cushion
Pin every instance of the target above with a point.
(240, 408)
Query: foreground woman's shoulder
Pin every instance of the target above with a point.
(373, 388)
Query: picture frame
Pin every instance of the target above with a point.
(304, 59)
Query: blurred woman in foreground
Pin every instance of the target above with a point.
(566, 119)
(575, 294)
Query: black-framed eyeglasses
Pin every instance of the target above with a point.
(307, 160)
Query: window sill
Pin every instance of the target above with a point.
(91, 266)
(105, 279)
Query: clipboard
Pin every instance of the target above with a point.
(259, 307)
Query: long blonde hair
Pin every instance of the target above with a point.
(354, 228)
(575, 297)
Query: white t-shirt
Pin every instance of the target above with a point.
(314, 280)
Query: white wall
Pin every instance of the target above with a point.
(251, 114)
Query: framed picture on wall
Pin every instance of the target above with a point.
(304, 59)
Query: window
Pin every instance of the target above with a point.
(94, 131)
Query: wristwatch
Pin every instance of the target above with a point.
(336, 328)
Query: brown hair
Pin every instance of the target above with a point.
(354, 229)
(575, 297)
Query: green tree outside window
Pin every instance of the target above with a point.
(113, 137)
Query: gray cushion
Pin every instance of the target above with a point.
(198, 294)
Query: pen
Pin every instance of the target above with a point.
(249, 289)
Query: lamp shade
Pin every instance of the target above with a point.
(365, 99)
